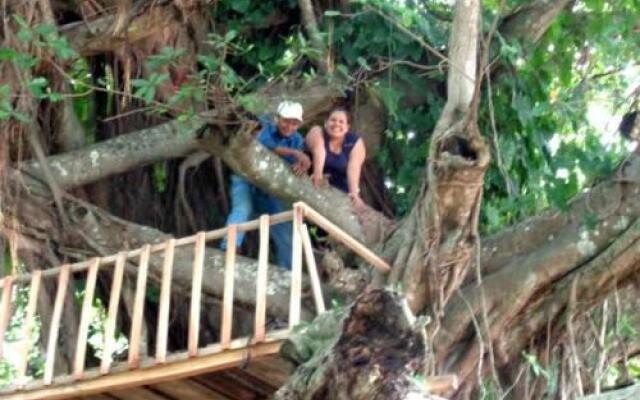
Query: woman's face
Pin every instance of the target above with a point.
(337, 125)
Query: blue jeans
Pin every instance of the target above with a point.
(248, 202)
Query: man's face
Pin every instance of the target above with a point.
(287, 126)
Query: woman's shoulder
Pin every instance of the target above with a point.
(351, 138)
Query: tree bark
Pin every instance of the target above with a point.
(378, 354)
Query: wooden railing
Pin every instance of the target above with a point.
(116, 264)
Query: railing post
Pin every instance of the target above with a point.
(296, 268)
(5, 309)
(196, 295)
(54, 329)
(112, 313)
(85, 319)
(227, 300)
(313, 269)
(21, 368)
(165, 301)
(135, 337)
(261, 284)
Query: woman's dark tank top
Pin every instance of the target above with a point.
(335, 164)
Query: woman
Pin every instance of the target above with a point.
(337, 154)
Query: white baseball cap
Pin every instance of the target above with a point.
(290, 110)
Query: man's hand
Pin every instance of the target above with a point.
(302, 165)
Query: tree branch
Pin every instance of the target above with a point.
(531, 21)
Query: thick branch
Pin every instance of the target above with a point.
(121, 154)
(628, 393)
(170, 140)
(532, 20)
(463, 55)
(98, 36)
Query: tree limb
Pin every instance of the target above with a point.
(532, 20)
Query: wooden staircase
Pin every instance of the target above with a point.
(91, 375)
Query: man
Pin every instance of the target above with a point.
(247, 201)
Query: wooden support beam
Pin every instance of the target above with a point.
(165, 301)
(178, 366)
(5, 309)
(135, 338)
(261, 284)
(313, 269)
(296, 269)
(112, 313)
(54, 329)
(85, 319)
(227, 300)
(334, 231)
(196, 295)
(28, 324)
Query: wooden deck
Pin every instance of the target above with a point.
(199, 370)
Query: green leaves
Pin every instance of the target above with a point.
(146, 88)
(167, 56)
(535, 365)
(45, 37)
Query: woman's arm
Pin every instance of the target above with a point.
(354, 168)
(315, 143)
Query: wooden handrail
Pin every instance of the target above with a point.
(155, 248)
(335, 231)
(301, 251)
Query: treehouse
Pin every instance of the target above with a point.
(127, 343)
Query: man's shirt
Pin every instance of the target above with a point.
(271, 138)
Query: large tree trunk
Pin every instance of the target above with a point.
(535, 276)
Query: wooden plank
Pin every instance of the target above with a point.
(139, 393)
(227, 300)
(54, 329)
(135, 337)
(85, 320)
(334, 231)
(313, 269)
(5, 309)
(240, 378)
(112, 313)
(196, 294)
(165, 302)
(29, 321)
(296, 269)
(227, 386)
(172, 370)
(187, 390)
(272, 369)
(261, 284)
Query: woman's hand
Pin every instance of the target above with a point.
(356, 201)
(317, 180)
